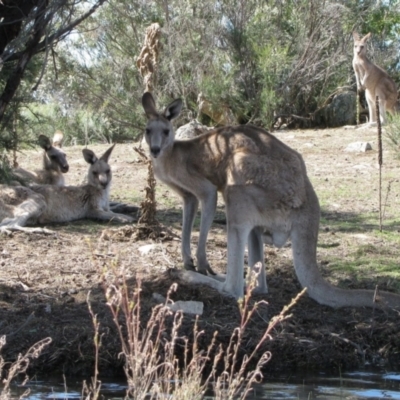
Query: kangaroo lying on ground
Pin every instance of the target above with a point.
(374, 80)
(55, 164)
(266, 191)
(43, 204)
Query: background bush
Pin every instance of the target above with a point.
(262, 59)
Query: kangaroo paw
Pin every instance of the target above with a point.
(205, 269)
(189, 266)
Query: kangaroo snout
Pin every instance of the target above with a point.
(65, 168)
(103, 181)
(155, 151)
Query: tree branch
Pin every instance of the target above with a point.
(34, 45)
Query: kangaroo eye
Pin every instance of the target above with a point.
(94, 173)
(166, 132)
(108, 171)
(147, 131)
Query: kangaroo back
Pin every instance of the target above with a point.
(268, 198)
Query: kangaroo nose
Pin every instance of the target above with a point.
(103, 181)
(155, 151)
(65, 168)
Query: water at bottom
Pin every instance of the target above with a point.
(349, 386)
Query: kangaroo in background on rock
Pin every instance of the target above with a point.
(374, 80)
(266, 191)
(55, 163)
(44, 204)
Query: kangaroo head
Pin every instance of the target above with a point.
(99, 174)
(55, 159)
(159, 131)
(360, 44)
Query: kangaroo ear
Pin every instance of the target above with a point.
(356, 36)
(366, 37)
(173, 109)
(58, 139)
(89, 156)
(44, 142)
(107, 154)
(149, 105)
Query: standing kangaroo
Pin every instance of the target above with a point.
(374, 80)
(43, 204)
(55, 163)
(266, 191)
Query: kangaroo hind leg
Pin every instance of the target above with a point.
(370, 97)
(384, 106)
(29, 210)
(256, 259)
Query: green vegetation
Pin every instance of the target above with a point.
(362, 253)
(262, 60)
(392, 134)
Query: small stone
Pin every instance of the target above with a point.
(187, 307)
(147, 249)
(359, 147)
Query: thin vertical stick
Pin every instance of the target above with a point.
(378, 122)
(15, 141)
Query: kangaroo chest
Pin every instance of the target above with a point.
(184, 178)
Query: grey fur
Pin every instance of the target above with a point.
(55, 164)
(43, 204)
(268, 197)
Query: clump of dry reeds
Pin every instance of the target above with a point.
(18, 367)
(159, 362)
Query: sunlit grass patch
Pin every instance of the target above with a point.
(346, 221)
(363, 259)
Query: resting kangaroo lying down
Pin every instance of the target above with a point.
(266, 191)
(43, 204)
(55, 164)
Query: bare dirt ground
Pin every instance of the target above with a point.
(45, 280)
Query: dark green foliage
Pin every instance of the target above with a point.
(263, 60)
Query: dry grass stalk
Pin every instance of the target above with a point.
(15, 141)
(149, 205)
(148, 226)
(159, 362)
(91, 391)
(148, 57)
(19, 367)
(380, 160)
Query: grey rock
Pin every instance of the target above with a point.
(340, 111)
(191, 130)
(359, 147)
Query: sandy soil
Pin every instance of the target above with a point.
(45, 280)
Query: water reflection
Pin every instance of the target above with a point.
(349, 386)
